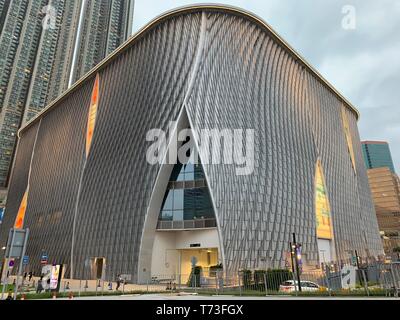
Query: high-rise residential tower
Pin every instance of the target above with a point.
(377, 155)
(47, 45)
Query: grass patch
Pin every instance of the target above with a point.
(49, 295)
(8, 288)
(344, 293)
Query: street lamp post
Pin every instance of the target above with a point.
(296, 258)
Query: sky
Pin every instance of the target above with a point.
(361, 59)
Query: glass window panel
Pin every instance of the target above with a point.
(189, 214)
(175, 172)
(168, 204)
(166, 215)
(189, 202)
(189, 167)
(189, 176)
(178, 215)
(202, 199)
(198, 172)
(181, 176)
(178, 199)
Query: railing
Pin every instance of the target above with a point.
(373, 279)
(187, 224)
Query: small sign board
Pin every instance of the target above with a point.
(11, 263)
(25, 260)
(55, 276)
(44, 258)
(348, 277)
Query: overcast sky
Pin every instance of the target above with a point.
(362, 63)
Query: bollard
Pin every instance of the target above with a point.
(54, 295)
(23, 297)
(265, 284)
(327, 280)
(216, 283)
(70, 296)
(240, 286)
(365, 282)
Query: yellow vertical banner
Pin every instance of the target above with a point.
(322, 208)
(347, 133)
(19, 221)
(92, 115)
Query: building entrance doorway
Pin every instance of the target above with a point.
(204, 258)
(325, 251)
(98, 268)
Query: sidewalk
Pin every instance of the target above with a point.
(100, 286)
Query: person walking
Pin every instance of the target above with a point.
(118, 282)
(30, 276)
(39, 286)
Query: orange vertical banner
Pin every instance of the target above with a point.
(92, 115)
(19, 222)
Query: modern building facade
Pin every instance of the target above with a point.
(44, 51)
(385, 188)
(85, 185)
(377, 155)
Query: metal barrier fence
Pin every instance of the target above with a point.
(369, 279)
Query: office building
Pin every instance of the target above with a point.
(377, 155)
(385, 189)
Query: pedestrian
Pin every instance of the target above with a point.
(30, 276)
(118, 282)
(39, 286)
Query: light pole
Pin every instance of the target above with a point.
(3, 266)
(297, 258)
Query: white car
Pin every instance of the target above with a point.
(289, 286)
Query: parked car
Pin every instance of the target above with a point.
(289, 286)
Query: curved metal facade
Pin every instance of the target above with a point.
(228, 71)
